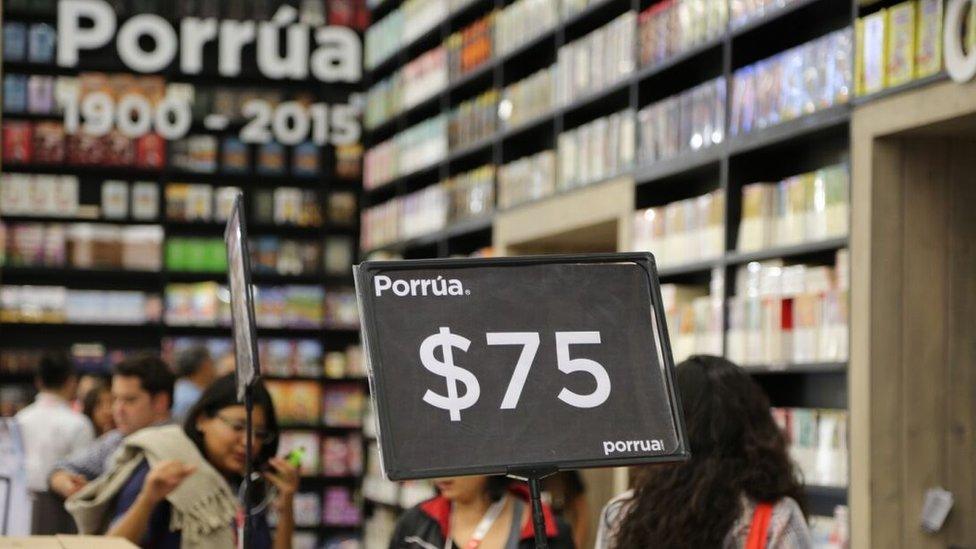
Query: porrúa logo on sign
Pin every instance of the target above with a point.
(415, 287)
(630, 446)
(283, 46)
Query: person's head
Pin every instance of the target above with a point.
(56, 374)
(196, 365)
(142, 392)
(87, 382)
(736, 450)
(216, 425)
(473, 488)
(97, 405)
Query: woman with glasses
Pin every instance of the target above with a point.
(178, 487)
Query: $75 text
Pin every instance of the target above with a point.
(530, 346)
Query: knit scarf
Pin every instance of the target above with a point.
(203, 505)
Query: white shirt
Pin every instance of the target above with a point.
(51, 431)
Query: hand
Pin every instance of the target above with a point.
(165, 477)
(66, 484)
(285, 479)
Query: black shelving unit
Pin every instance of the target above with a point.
(151, 336)
(714, 55)
(812, 141)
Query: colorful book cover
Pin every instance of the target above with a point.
(18, 142)
(271, 159)
(901, 44)
(14, 42)
(49, 143)
(305, 160)
(150, 151)
(40, 94)
(234, 156)
(343, 405)
(873, 52)
(120, 150)
(145, 200)
(115, 199)
(928, 38)
(14, 93)
(41, 40)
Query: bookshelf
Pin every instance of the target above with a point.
(602, 209)
(331, 177)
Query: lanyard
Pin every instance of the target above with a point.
(482, 529)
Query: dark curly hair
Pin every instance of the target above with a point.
(736, 449)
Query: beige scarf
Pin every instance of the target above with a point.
(204, 506)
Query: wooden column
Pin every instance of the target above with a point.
(913, 318)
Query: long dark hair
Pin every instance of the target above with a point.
(89, 401)
(221, 394)
(736, 448)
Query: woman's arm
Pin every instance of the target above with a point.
(285, 479)
(162, 479)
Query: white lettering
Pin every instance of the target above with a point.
(72, 37)
(382, 283)
(612, 447)
(339, 55)
(294, 64)
(234, 35)
(164, 47)
(454, 287)
(419, 286)
(194, 34)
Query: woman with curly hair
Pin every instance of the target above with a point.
(739, 489)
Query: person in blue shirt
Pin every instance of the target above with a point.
(195, 370)
(204, 479)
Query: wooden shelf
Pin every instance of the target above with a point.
(458, 229)
(738, 258)
(910, 86)
(684, 163)
(18, 218)
(74, 276)
(792, 130)
(807, 368)
(690, 268)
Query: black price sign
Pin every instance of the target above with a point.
(493, 366)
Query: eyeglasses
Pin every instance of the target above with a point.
(260, 435)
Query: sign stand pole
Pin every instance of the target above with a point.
(248, 466)
(538, 519)
(534, 478)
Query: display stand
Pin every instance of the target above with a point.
(248, 367)
(248, 466)
(534, 479)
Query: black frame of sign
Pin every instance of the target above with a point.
(535, 470)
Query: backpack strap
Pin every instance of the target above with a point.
(759, 529)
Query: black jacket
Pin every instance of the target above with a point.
(423, 527)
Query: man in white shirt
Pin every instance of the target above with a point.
(51, 431)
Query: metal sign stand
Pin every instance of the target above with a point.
(246, 536)
(534, 479)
